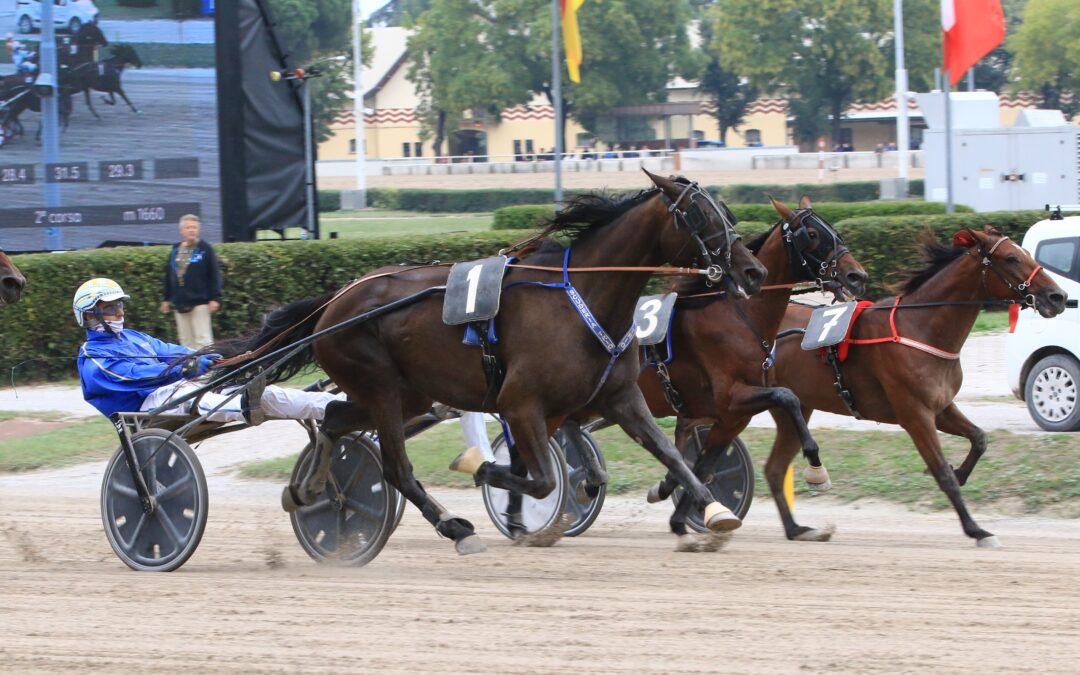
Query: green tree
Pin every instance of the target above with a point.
(1046, 48)
(312, 30)
(830, 53)
(730, 93)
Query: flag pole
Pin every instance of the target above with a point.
(947, 85)
(901, 98)
(556, 97)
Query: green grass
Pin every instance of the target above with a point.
(991, 321)
(78, 440)
(112, 9)
(381, 223)
(1019, 473)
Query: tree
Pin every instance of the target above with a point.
(730, 93)
(1046, 48)
(311, 30)
(829, 53)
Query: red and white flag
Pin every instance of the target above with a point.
(972, 29)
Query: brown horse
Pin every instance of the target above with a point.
(12, 281)
(721, 349)
(899, 382)
(553, 362)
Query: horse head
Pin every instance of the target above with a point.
(126, 54)
(12, 281)
(1010, 273)
(817, 252)
(704, 235)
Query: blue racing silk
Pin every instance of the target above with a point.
(118, 372)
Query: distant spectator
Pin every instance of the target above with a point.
(891, 146)
(192, 286)
(878, 149)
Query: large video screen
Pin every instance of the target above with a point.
(138, 147)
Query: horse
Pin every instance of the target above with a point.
(17, 95)
(105, 76)
(550, 354)
(721, 348)
(911, 378)
(12, 281)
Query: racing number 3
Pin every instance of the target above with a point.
(648, 317)
(834, 315)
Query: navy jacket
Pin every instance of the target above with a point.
(202, 279)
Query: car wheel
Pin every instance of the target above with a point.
(26, 26)
(75, 25)
(1051, 393)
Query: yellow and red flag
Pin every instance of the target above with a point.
(571, 36)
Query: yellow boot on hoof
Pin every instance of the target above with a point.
(817, 478)
(468, 461)
(719, 518)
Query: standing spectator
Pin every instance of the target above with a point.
(192, 285)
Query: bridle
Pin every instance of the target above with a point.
(1026, 299)
(819, 263)
(694, 220)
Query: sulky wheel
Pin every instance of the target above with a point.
(731, 482)
(536, 514)
(162, 540)
(585, 514)
(351, 520)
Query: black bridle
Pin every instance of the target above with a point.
(1026, 299)
(809, 262)
(694, 219)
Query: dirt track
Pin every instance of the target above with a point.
(894, 592)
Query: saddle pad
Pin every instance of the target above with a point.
(473, 290)
(652, 317)
(828, 326)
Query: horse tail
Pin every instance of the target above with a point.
(282, 327)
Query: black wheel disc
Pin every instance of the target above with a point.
(585, 514)
(731, 483)
(165, 538)
(352, 519)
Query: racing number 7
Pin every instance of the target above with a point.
(834, 315)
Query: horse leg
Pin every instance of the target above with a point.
(753, 400)
(595, 476)
(341, 417)
(919, 423)
(120, 90)
(690, 451)
(953, 422)
(785, 447)
(86, 93)
(631, 413)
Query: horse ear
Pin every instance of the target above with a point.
(964, 239)
(787, 214)
(664, 184)
(804, 203)
(990, 229)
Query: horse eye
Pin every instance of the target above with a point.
(1012, 259)
(813, 234)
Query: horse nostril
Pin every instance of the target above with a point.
(1057, 298)
(754, 275)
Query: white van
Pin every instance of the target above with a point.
(1042, 356)
(67, 14)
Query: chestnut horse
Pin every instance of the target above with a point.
(901, 383)
(553, 359)
(12, 281)
(721, 348)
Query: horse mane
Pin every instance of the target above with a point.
(584, 215)
(935, 256)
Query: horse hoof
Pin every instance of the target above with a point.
(988, 542)
(654, 495)
(548, 536)
(468, 461)
(581, 494)
(824, 534)
(817, 478)
(701, 543)
(686, 543)
(289, 500)
(469, 545)
(719, 518)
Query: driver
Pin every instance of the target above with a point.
(123, 370)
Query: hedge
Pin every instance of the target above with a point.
(524, 217)
(258, 276)
(464, 201)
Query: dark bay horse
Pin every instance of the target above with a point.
(721, 347)
(12, 281)
(553, 363)
(898, 383)
(105, 76)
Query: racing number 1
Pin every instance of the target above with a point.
(834, 314)
(474, 281)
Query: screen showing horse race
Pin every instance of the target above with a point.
(138, 129)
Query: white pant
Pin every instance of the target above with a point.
(475, 431)
(194, 327)
(276, 402)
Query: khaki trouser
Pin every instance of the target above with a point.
(194, 327)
